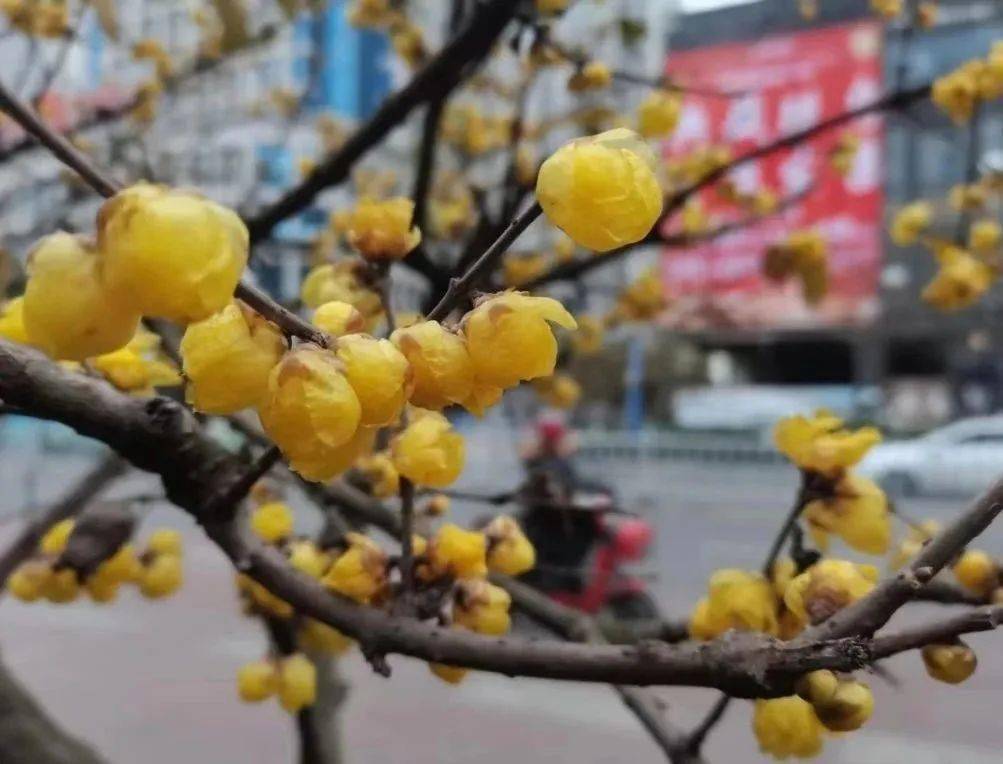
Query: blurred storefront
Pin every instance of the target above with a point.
(871, 331)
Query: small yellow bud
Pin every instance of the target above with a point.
(911, 221)
(594, 75)
(849, 707)
(560, 391)
(787, 727)
(338, 282)
(272, 522)
(984, 236)
(482, 607)
(338, 318)
(960, 281)
(659, 113)
(601, 190)
(257, 681)
(68, 311)
(509, 551)
(28, 581)
(380, 474)
(321, 638)
(458, 552)
(55, 538)
(977, 571)
(736, 599)
(305, 557)
(360, 572)
(162, 576)
(827, 587)
(297, 682)
(818, 687)
(61, 586)
(228, 357)
(440, 363)
(428, 452)
(164, 541)
(102, 589)
(170, 253)
(510, 340)
(383, 230)
(262, 599)
(380, 375)
(448, 674)
(949, 663)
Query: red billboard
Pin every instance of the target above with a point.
(787, 82)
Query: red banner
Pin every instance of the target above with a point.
(788, 82)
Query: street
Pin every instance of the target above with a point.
(153, 682)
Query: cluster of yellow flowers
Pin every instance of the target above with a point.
(466, 127)
(641, 300)
(156, 572)
(292, 678)
(38, 18)
(802, 254)
(974, 82)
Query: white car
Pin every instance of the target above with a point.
(962, 458)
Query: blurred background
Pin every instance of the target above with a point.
(675, 416)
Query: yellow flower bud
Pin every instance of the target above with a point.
(338, 283)
(171, 253)
(310, 410)
(227, 359)
(440, 363)
(967, 197)
(787, 727)
(360, 572)
(448, 674)
(588, 338)
(257, 681)
(428, 452)
(164, 541)
(12, 321)
(821, 444)
(102, 588)
(380, 375)
(737, 599)
(124, 566)
(984, 236)
(61, 586)
(338, 318)
(977, 571)
(380, 474)
(162, 576)
(297, 682)
(960, 281)
(594, 75)
(847, 709)
(482, 607)
(827, 587)
(305, 557)
(272, 521)
(67, 310)
(818, 687)
(560, 391)
(321, 638)
(55, 538)
(510, 340)
(956, 94)
(887, 9)
(911, 221)
(29, 580)
(659, 113)
(458, 552)
(382, 230)
(263, 600)
(857, 512)
(482, 397)
(949, 663)
(601, 190)
(509, 551)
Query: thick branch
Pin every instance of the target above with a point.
(946, 631)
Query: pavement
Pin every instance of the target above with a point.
(153, 682)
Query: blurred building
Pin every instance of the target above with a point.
(872, 329)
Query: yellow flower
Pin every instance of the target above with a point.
(305, 557)
(263, 600)
(787, 727)
(803, 253)
(949, 663)
(510, 340)
(380, 375)
(984, 236)
(440, 363)
(297, 682)
(887, 9)
(977, 571)
(360, 572)
(380, 474)
(338, 318)
(101, 588)
(164, 541)
(560, 391)
(521, 269)
(736, 599)
(257, 681)
(451, 210)
(140, 366)
(509, 551)
(957, 93)
(594, 75)
(821, 444)
(926, 14)
(448, 674)
(967, 197)
(428, 452)
(910, 222)
(841, 706)
(644, 298)
(914, 541)
(311, 411)
(827, 587)
(124, 566)
(12, 321)
(55, 538)
(338, 282)
(482, 396)
(161, 577)
(61, 586)
(601, 190)
(67, 310)
(382, 230)
(588, 338)
(459, 553)
(272, 522)
(321, 638)
(170, 253)
(844, 152)
(228, 358)
(482, 607)
(658, 114)
(960, 281)
(29, 580)
(408, 42)
(857, 512)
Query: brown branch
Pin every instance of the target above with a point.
(436, 78)
(88, 487)
(946, 631)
